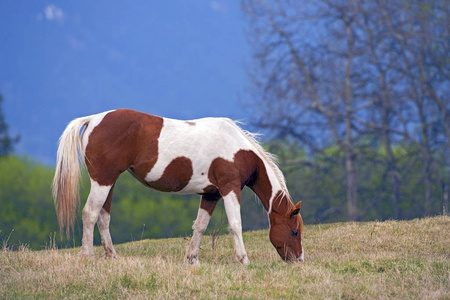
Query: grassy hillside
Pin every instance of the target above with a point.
(394, 259)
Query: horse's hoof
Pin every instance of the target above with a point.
(110, 255)
(243, 260)
(193, 260)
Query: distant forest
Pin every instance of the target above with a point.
(27, 214)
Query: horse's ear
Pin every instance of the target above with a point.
(296, 209)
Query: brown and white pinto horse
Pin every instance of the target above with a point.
(212, 157)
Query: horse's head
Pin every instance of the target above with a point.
(286, 231)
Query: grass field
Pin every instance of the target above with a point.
(375, 260)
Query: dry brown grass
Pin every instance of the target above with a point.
(376, 260)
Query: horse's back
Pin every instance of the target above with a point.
(206, 136)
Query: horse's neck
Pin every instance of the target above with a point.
(268, 188)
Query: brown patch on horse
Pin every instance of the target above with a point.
(175, 176)
(245, 169)
(124, 138)
(190, 123)
(107, 205)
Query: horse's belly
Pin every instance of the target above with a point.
(197, 185)
(178, 177)
(174, 185)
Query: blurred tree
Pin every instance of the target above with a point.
(310, 83)
(357, 75)
(409, 51)
(6, 142)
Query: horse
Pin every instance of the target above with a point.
(212, 157)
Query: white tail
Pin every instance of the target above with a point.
(67, 174)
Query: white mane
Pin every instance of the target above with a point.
(269, 158)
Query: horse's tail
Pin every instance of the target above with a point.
(67, 174)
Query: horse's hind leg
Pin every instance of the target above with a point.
(91, 211)
(207, 205)
(103, 225)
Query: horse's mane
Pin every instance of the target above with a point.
(269, 158)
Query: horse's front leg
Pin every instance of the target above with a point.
(91, 212)
(232, 208)
(207, 205)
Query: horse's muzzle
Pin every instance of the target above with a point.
(291, 259)
(301, 257)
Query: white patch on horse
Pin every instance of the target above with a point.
(302, 256)
(203, 142)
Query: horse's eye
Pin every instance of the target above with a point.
(294, 233)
